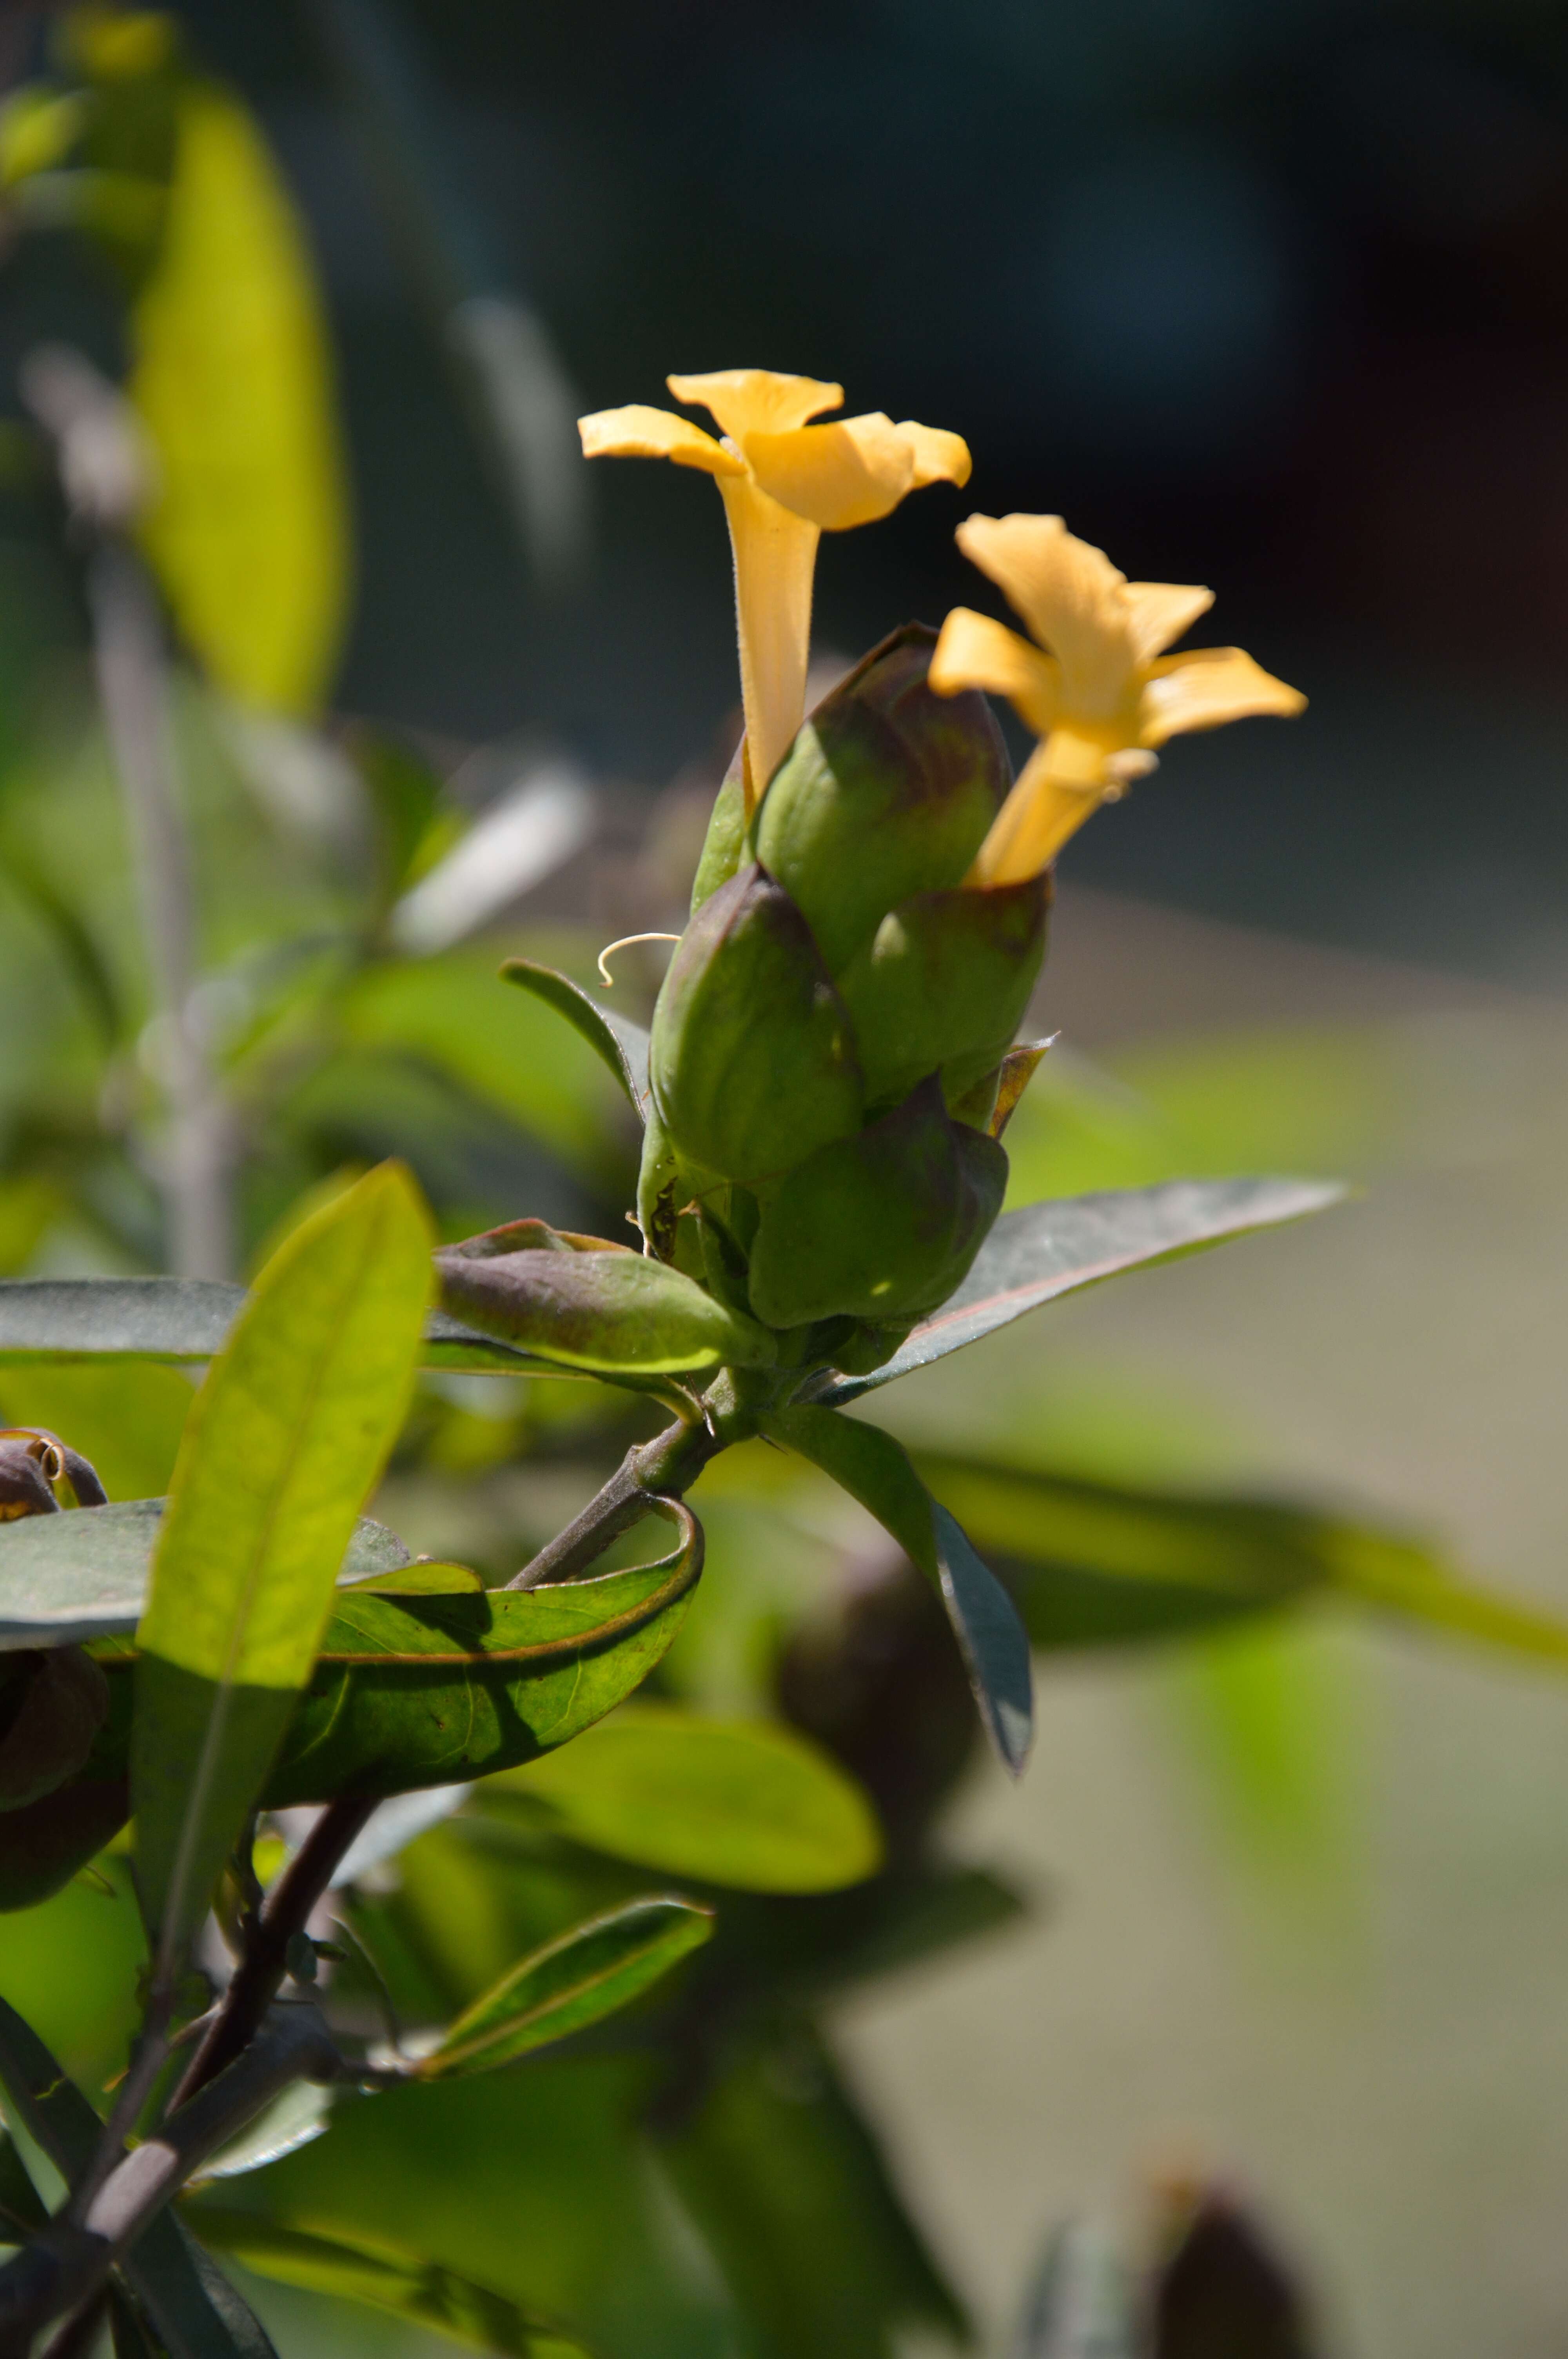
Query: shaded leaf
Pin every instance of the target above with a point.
(436, 1688)
(231, 375)
(21, 2211)
(795, 2202)
(301, 2113)
(619, 1044)
(356, 2268)
(1092, 1563)
(748, 1804)
(182, 1320)
(194, 2310)
(572, 1982)
(292, 1426)
(64, 1579)
(429, 1691)
(875, 1470)
(1044, 1250)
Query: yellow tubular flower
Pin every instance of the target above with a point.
(1102, 698)
(785, 483)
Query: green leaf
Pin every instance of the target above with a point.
(232, 377)
(747, 1804)
(292, 1426)
(794, 2201)
(593, 1306)
(196, 2312)
(429, 1690)
(450, 1011)
(574, 1981)
(875, 1469)
(21, 2211)
(620, 1045)
(1044, 1250)
(1098, 1563)
(184, 1320)
(385, 2277)
(64, 1579)
(1092, 1563)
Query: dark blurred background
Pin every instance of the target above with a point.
(1273, 298)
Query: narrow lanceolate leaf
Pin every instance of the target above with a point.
(875, 1469)
(621, 1044)
(572, 1982)
(289, 1432)
(1044, 1250)
(1101, 1563)
(183, 1319)
(194, 2312)
(384, 2276)
(744, 1803)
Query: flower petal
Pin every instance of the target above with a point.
(1042, 810)
(775, 558)
(1208, 686)
(837, 477)
(1071, 596)
(939, 457)
(976, 652)
(757, 401)
(639, 431)
(1162, 611)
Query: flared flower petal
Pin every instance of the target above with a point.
(1208, 686)
(973, 651)
(939, 457)
(1071, 596)
(785, 482)
(638, 431)
(1160, 611)
(1107, 698)
(757, 401)
(837, 477)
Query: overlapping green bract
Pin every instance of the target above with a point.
(826, 1049)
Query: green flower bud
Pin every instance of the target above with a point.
(883, 1226)
(888, 790)
(943, 984)
(751, 1060)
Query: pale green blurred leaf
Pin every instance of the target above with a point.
(233, 381)
(747, 1804)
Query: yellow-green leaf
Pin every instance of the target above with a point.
(248, 531)
(290, 1430)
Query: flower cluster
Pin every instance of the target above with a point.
(832, 1058)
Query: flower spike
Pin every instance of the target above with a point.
(785, 481)
(1097, 689)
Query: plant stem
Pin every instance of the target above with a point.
(104, 475)
(262, 1967)
(663, 1468)
(65, 2267)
